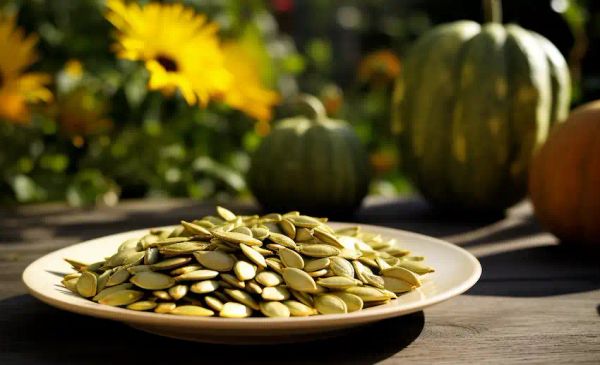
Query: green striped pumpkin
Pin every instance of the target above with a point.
(473, 103)
(311, 164)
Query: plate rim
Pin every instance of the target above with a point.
(151, 318)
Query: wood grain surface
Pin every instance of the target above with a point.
(537, 301)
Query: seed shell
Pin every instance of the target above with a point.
(274, 309)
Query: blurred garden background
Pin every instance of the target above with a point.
(88, 118)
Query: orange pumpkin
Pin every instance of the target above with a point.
(564, 180)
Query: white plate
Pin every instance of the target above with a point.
(456, 271)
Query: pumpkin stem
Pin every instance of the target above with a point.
(312, 107)
(492, 10)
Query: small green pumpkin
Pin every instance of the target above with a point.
(312, 164)
(473, 104)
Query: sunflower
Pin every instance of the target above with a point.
(17, 87)
(180, 48)
(247, 92)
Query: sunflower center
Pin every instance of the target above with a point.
(1, 79)
(167, 63)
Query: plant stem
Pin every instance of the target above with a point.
(492, 10)
(316, 110)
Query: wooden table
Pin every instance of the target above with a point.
(536, 302)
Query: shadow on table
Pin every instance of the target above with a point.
(93, 223)
(414, 214)
(36, 332)
(538, 271)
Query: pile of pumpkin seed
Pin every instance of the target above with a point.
(236, 266)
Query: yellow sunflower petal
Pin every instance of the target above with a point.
(247, 93)
(180, 47)
(17, 88)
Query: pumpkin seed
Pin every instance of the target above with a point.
(262, 251)
(374, 280)
(288, 228)
(319, 250)
(341, 267)
(244, 270)
(214, 303)
(299, 280)
(197, 230)
(192, 310)
(337, 282)
(233, 281)
(303, 297)
(348, 231)
(260, 233)
(271, 217)
(318, 273)
(376, 304)
(274, 264)
(396, 285)
(165, 307)
(243, 230)
(253, 287)
(203, 287)
(77, 265)
(327, 237)
(274, 309)
(171, 263)
(236, 237)
(215, 260)
(277, 293)
(226, 214)
(317, 264)
(413, 258)
(242, 297)
(402, 274)
(185, 269)
(304, 221)
(144, 305)
(169, 241)
(102, 279)
(330, 304)
(269, 278)
(152, 280)
(415, 266)
(253, 255)
(71, 284)
(75, 275)
(178, 291)
(382, 264)
(162, 294)
(291, 258)
(298, 309)
(129, 245)
(118, 277)
(303, 235)
(151, 256)
(138, 268)
(235, 310)
(367, 294)
(283, 240)
(87, 284)
(183, 248)
(176, 232)
(121, 297)
(197, 275)
(110, 290)
(353, 302)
